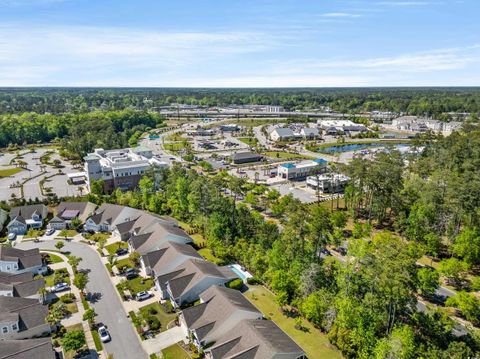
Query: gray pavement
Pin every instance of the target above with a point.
(125, 343)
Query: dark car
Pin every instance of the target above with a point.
(325, 251)
(130, 273)
(121, 251)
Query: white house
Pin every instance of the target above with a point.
(185, 283)
(16, 261)
(220, 310)
(281, 134)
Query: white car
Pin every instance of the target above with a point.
(60, 287)
(50, 231)
(12, 236)
(143, 295)
(104, 336)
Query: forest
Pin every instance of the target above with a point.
(438, 102)
(397, 212)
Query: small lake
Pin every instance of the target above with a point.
(358, 146)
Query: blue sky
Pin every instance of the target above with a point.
(239, 43)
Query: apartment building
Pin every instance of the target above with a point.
(297, 171)
(122, 168)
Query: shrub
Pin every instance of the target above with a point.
(152, 311)
(235, 284)
(153, 323)
(253, 281)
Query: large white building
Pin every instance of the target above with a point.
(418, 124)
(294, 171)
(341, 126)
(328, 183)
(121, 168)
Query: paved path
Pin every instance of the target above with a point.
(164, 340)
(125, 343)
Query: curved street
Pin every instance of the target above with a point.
(125, 343)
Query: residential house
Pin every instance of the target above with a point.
(255, 339)
(186, 282)
(281, 134)
(220, 310)
(13, 260)
(157, 239)
(106, 218)
(3, 217)
(39, 348)
(25, 217)
(67, 211)
(20, 285)
(22, 318)
(163, 260)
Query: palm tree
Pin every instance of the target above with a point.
(42, 293)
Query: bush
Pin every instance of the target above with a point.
(253, 281)
(152, 311)
(236, 284)
(153, 323)
(67, 298)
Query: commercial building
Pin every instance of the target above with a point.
(347, 127)
(246, 157)
(121, 168)
(419, 124)
(282, 134)
(328, 183)
(296, 171)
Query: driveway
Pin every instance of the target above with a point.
(125, 343)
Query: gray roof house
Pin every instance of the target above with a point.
(255, 339)
(13, 260)
(66, 211)
(3, 217)
(171, 255)
(20, 285)
(186, 282)
(158, 238)
(22, 318)
(25, 217)
(280, 134)
(39, 348)
(221, 309)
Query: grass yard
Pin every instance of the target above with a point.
(176, 146)
(314, 342)
(53, 258)
(208, 255)
(34, 233)
(72, 308)
(124, 262)
(286, 155)
(112, 248)
(135, 285)
(9, 172)
(97, 236)
(77, 326)
(67, 233)
(50, 279)
(174, 352)
(251, 141)
(157, 310)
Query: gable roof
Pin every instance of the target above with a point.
(254, 339)
(158, 238)
(191, 272)
(171, 251)
(27, 212)
(217, 307)
(22, 284)
(29, 312)
(25, 258)
(283, 132)
(40, 348)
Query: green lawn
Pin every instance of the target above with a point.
(67, 233)
(314, 342)
(208, 255)
(49, 279)
(34, 233)
(122, 262)
(175, 352)
(77, 326)
(9, 172)
(176, 146)
(135, 285)
(53, 258)
(72, 308)
(286, 155)
(97, 236)
(251, 141)
(112, 248)
(162, 316)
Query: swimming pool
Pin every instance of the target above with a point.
(357, 146)
(241, 273)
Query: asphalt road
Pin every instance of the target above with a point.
(125, 343)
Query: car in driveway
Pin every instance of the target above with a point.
(143, 295)
(121, 251)
(104, 335)
(49, 232)
(130, 273)
(12, 236)
(59, 287)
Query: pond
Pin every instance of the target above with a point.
(358, 146)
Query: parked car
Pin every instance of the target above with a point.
(60, 287)
(104, 335)
(50, 231)
(143, 295)
(12, 236)
(121, 251)
(325, 251)
(130, 273)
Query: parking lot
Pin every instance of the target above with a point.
(30, 178)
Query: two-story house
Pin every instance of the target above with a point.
(20, 285)
(67, 211)
(25, 217)
(13, 260)
(38, 348)
(22, 318)
(186, 282)
(220, 310)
